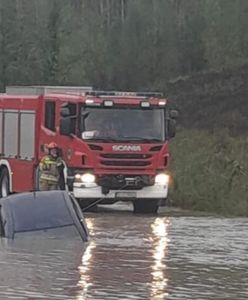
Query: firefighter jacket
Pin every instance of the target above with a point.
(49, 169)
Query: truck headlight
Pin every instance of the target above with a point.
(86, 178)
(162, 179)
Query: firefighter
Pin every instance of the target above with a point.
(110, 128)
(50, 169)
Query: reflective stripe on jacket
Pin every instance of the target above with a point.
(49, 168)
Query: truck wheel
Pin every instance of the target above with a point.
(145, 206)
(4, 183)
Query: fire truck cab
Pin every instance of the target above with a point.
(114, 144)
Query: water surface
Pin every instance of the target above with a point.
(132, 257)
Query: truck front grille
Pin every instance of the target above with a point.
(126, 163)
(124, 182)
(125, 156)
(125, 160)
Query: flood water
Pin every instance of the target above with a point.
(132, 257)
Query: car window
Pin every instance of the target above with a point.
(50, 115)
(2, 231)
(53, 233)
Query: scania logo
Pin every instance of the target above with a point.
(126, 148)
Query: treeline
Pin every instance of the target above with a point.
(119, 44)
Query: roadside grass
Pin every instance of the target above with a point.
(209, 172)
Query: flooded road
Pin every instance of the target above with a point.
(132, 257)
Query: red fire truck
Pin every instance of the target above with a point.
(114, 144)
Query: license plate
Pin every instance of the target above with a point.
(125, 195)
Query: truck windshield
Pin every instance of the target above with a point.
(122, 124)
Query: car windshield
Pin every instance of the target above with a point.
(121, 124)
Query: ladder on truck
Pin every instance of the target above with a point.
(47, 89)
(78, 90)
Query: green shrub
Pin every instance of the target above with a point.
(209, 172)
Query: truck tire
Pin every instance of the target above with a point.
(4, 183)
(145, 206)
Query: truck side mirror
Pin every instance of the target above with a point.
(64, 112)
(173, 114)
(171, 128)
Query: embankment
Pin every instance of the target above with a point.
(209, 154)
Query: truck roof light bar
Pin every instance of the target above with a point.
(46, 89)
(89, 101)
(108, 103)
(150, 94)
(100, 93)
(145, 104)
(162, 103)
(125, 94)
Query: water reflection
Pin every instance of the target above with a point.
(160, 242)
(85, 280)
(145, 257)
(126, 262)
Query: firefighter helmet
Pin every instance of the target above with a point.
(52, 145)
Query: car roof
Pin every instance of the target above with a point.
(39, 211)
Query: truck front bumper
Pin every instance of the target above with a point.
(93, 191)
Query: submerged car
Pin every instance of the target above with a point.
(45, 212)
